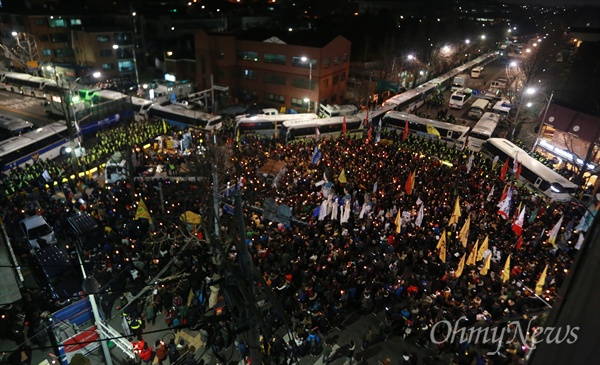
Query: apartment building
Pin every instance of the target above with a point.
(297, 70)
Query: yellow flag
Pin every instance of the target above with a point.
(413, 177)
(398, 222)
(461, 266)
(142, 211)
(486, 267)
(443, 252)
(471, 260)
(342, 177)
(431, 130)
(455, 214)
(442, 241)
(464, 231)
(237, 136)
(164, 127)
(539, 287)
(483, 248)
(506, 270)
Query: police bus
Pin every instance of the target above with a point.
(25, 84)
(268, 125)
(482, 131)
(452, 134)
(12, 127)
(327, 127)
(182, 117)
(536, 174)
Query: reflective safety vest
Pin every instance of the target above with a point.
(135, 324)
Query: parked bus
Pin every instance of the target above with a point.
(536, 174)
(185, 118)
(13, 127)
(328, 127)
(502, 108)
(482, 131)
(328, 111)
(140, 107)
(476, 72)
(452, 134)
(477, 109)
(47, 142)
(268, 125)
(25, 84)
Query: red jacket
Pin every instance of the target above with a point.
(146, 354)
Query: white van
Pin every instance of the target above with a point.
(479, 107)
(502, 108)
(459, 98)
(476, 72)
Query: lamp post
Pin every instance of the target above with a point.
(306, 59)
(73, 117)
(166, 54)
(541, 126)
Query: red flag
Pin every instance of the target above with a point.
(518, 173)
(504, 170)
(519, 242)
(409, 184)
(517, 226)
(405, 134)
(369, 135)
(344, 127)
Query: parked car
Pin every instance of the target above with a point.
(37, 232)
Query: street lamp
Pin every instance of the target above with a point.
(541, 126)
(306, 59)
(73, 118)
(166, 54)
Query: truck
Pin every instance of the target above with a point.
(460, 82)
(459, 98)
(328, 111)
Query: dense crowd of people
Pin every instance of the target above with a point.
(349, 254)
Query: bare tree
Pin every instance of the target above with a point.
(23, 50)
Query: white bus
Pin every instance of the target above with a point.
(140, 107)
(185, 118)
(477, 109)
(476, 72)
(12, 127)
(328, 127)
(535, 173)
(502, 108)
(268, 125)
(452, 134)
(482, 131)
(47, 142)
(25, 84)
(328, 111)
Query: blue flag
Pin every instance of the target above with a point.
(316, 157)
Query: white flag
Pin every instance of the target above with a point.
(375, 187)
(470, 164)
(504, 205)
(516, 163)
(419, 219)
(554, 232)
(419, 201)
(579, 241)
(491, 194)
(46, 175)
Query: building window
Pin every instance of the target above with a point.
(303, 83)
(335, 79)
(123, 38)
(108, 66)
(126, 66)
(40, 21)
(344, 58)
(75, 21)
(64, 52)
(275, 98)
(59, 38)
(343, 77)
(57, 23)
(106, 53)
(297, 62)
(277, 59)
(221, 55)
(336, 60)
(326, 63)
(247, 56)
(44, 38)
(247, 74)
(248, 95)
(103, 38)
(298, 103)
(47, 52)
(275, 79)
